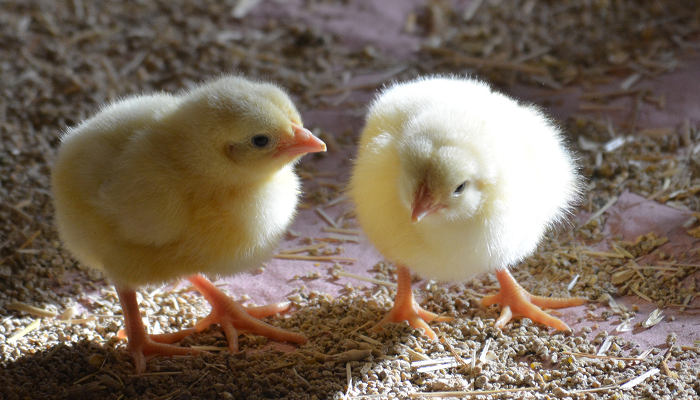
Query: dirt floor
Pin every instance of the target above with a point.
(620, 76)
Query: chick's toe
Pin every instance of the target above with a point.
(235, 320)
(517, 302)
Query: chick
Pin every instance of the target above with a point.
(454, 180)
(161, 186)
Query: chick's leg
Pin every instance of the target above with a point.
(517, 302)
(141, 345)
(406, 309)
(235, 319)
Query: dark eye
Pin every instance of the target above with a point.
(260, 141)
(460, 188)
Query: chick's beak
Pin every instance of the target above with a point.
(423, 204)
(303, 142)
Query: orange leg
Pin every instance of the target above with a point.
(406, 309)
(235, 319)
(517, 302)
(141, 345)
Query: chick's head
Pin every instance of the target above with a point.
(442, 176)
(236, 129)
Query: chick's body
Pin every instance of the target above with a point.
(141, 209)
(454, 180)
(163, 186)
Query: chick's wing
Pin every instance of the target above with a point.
(141, 199)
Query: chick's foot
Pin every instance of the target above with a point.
(517, 302)
(406, 309)
(235, 319)
(141, 345)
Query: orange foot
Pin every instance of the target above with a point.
(406, 309)
(141, 345)
(517, 302)
(235, 319)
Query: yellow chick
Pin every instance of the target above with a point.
(454, 180)
(161, 186)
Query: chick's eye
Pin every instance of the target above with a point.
(460, 188)
(260, 141)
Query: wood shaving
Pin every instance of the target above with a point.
(29, 309)
(654, 318)
(22, 332)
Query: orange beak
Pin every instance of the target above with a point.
(303, 142)
(423, 204)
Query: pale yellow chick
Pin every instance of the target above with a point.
(158, 187)
(454, 180)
